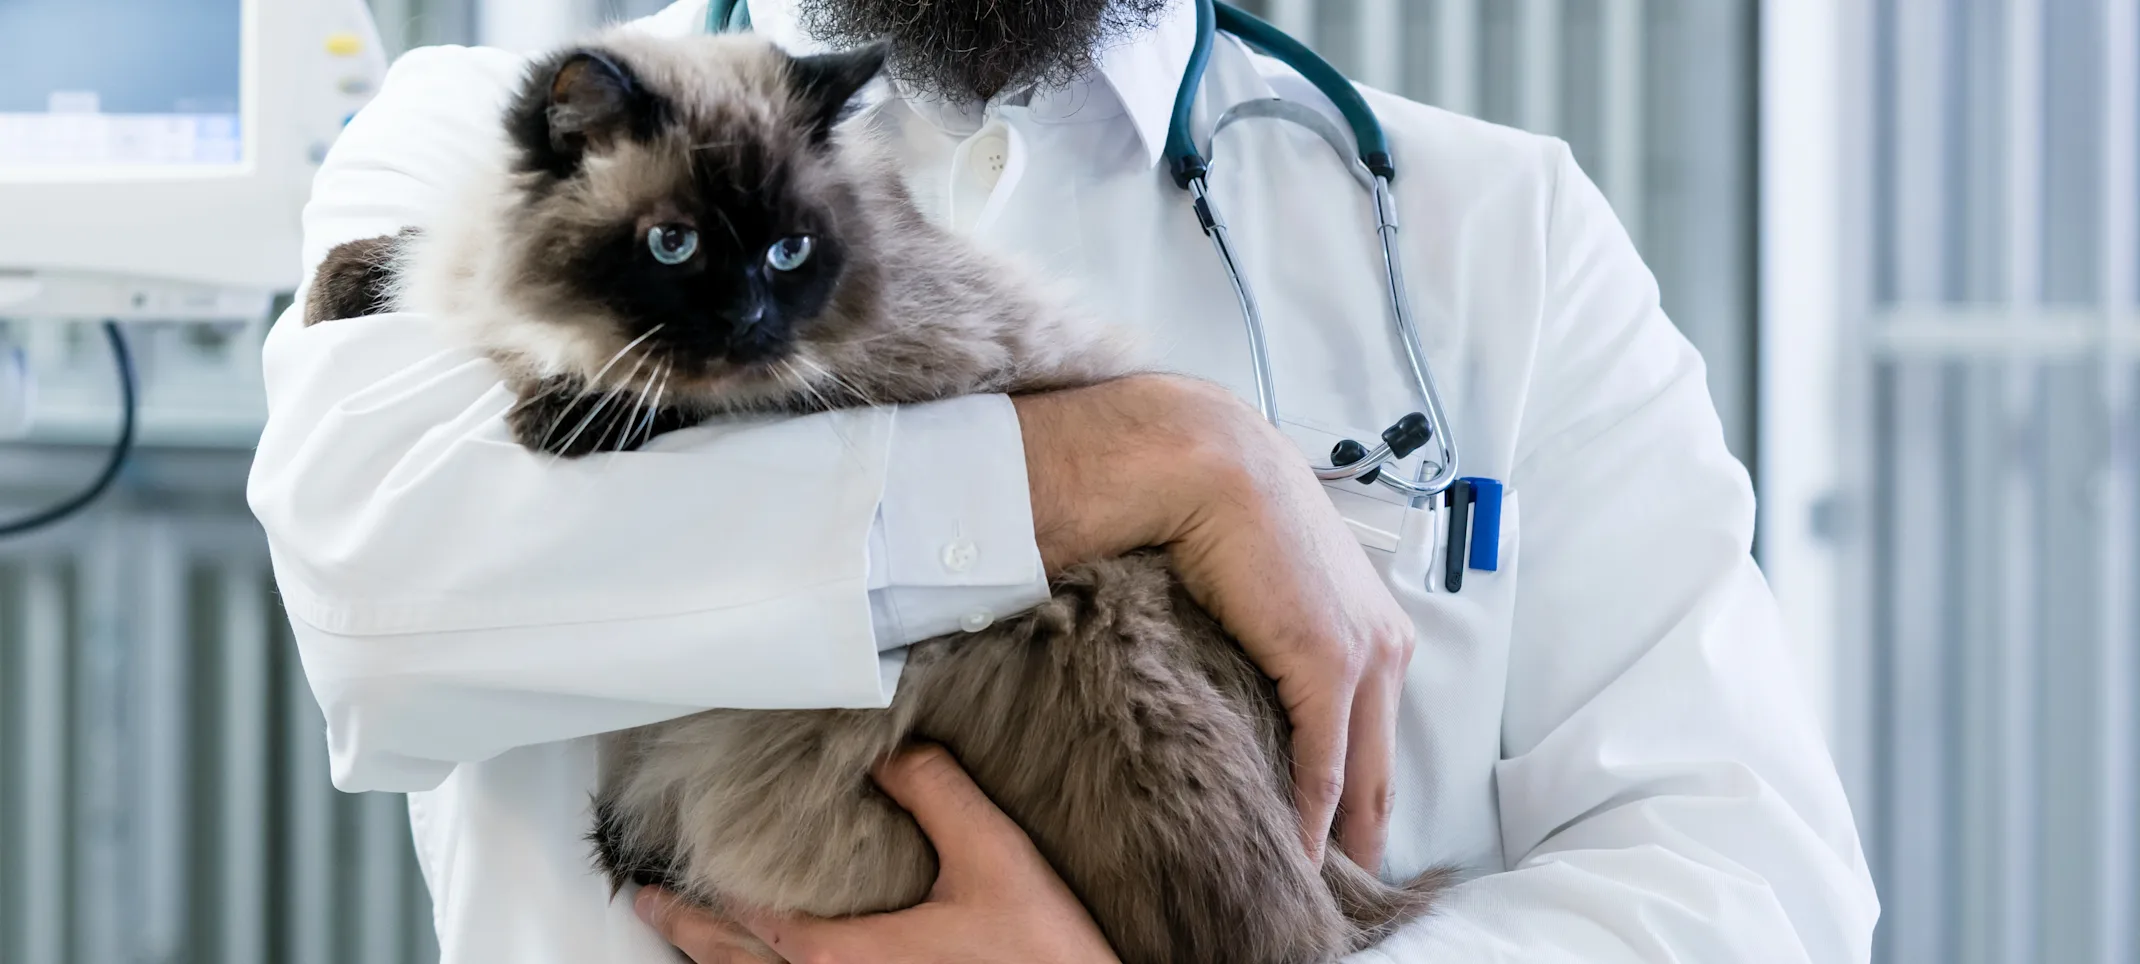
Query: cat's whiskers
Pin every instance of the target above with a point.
(596, 378)
(654, 410)
(583, 393)
(838, 379)
(608, 394)
(787, 373)
(548, 390)
(643, 425)
(633, 418)
(564, 412)
(601, 438)
(816, 386)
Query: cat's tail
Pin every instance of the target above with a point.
(1374, 908)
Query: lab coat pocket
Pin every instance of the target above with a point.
(1418, 564)
(1486, 555)
(1377, 515)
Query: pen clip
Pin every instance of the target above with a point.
(1458, 499)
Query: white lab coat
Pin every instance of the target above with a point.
(1605, 732)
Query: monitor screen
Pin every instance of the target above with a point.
(122, 83)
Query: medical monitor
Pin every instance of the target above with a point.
(155, 159)
(160, 86)
(170, 140)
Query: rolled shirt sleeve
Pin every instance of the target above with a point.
(953, 547)
(454, 596)
(1665, 792)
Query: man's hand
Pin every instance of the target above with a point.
(995, 899)
(1167, 461)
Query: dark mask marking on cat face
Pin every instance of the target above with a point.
(727, 302)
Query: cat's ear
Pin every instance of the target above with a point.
(592, 101)
(577, 101)
(825, 84)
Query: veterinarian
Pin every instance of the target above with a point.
(1604, 732)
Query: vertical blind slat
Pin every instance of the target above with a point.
(309, 854)
(1456, 55)
(105, 892)
(1538, 83)
(2016, 875)
(1380, 29)
(163, 740)
(242, 867)
(40, 920)
(1620, 130)
(2118, 801)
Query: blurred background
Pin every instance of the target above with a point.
(1904, 233)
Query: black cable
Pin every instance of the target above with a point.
(119, 450)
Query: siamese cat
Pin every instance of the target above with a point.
(680, 229)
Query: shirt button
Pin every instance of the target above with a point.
(977, 621)
(993, 155)
(959, 556)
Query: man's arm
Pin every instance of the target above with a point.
(1666, 793)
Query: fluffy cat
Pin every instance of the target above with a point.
(686, 229)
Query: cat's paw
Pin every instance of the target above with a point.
(561, 418)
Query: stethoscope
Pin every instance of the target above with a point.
(1368, 160)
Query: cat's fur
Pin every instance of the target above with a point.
(1117, 723)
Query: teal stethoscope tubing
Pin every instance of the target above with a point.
(1191, 172)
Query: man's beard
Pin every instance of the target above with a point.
(979, 48)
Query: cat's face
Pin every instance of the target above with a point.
(680, 216)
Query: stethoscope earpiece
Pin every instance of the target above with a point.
(1399, 441)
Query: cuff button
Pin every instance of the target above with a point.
(959, 556)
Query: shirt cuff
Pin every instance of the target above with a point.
(952, 546)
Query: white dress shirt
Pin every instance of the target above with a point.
(1605, 732)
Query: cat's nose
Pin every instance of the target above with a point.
(756, 335)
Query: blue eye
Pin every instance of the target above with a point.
(788, 254)
(672, 243)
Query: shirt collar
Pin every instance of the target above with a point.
(1139, 75)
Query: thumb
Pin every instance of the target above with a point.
(967, 829)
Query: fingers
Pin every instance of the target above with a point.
(704, 938)
(1370, 762)
(970, 834)
(877, 939)
(707, 939)
(1321, 729)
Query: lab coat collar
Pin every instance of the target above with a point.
(1136, 76)
(1145, 71)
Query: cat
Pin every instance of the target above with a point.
(686, 228)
